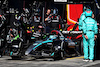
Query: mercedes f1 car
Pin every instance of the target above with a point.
(55, 46)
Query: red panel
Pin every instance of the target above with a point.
(74, 10)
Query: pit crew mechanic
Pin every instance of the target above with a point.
(48, 20)
(90, 31)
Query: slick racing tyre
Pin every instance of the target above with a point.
(63, 50)
(61, 53)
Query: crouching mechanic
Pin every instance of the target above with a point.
(90, 31)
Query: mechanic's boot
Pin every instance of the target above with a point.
(90, 60)
(86, 60)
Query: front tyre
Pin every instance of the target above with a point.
(63, 50)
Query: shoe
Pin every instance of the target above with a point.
(0, 56)
(90, 60)
(86, 60)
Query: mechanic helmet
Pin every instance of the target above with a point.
(37, 12)
(88, 12)
(55, 11)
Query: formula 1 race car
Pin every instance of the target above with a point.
(55, 46)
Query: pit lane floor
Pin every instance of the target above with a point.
(6, 61)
